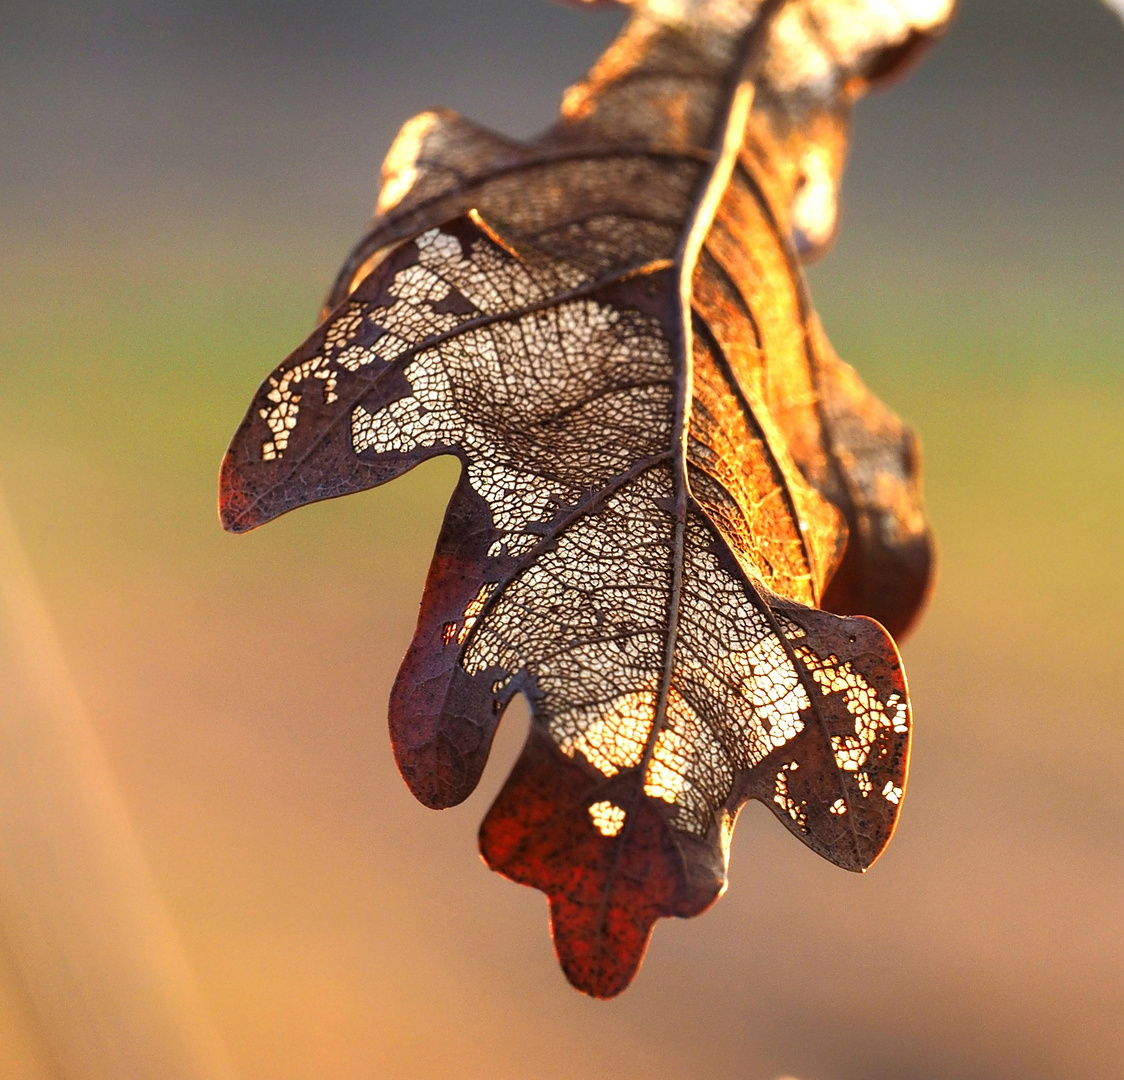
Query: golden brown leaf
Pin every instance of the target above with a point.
(662, 463)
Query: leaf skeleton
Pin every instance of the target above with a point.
(684, 529)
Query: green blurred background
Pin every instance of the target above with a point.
(178, 182)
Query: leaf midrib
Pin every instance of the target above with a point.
(727, 145)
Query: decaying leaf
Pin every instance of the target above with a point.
(668, 477)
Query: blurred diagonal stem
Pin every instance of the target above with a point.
(83, 919)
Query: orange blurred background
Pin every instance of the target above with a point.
(177, 184)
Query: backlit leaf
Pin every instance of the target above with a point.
(668, 477)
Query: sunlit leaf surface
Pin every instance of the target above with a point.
(1117, 6)
(669, 480)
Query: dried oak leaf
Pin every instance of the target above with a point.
(662, 464)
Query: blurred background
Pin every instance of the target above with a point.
(179, 181)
